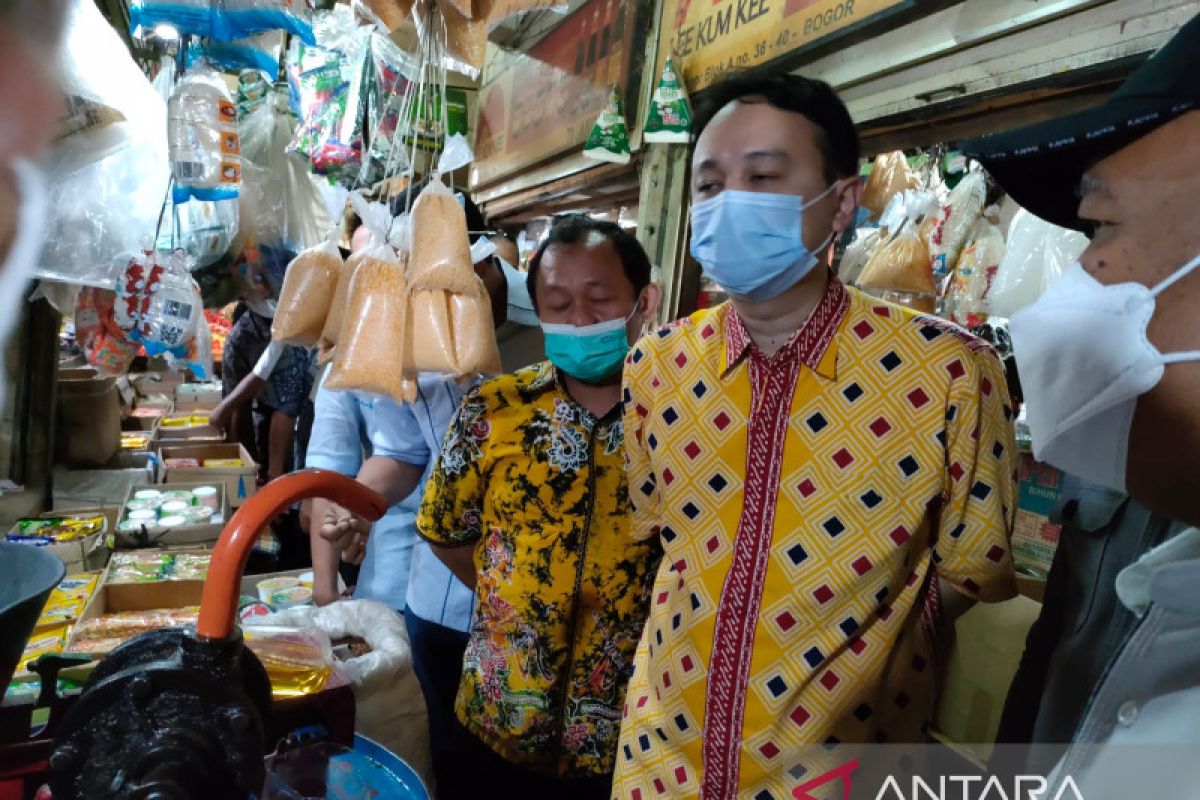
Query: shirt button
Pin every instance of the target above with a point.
(1127, 713)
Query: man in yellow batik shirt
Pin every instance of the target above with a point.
(831, 477)
(529, 504)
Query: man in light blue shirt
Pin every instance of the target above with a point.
(402, 441)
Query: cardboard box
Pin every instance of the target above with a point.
(189, 434)
(142, 424)
(163, 382)
(184, 534)
(111, 598)
(197, 396)
(85, 554)
(240, 482)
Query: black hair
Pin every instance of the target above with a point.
(574, 229)
(815, 100)
(476, 225)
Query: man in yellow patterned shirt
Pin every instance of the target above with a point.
(831, 477)
(529, 504)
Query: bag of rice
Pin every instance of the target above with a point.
(441, 250)
(309, 287)
(371, 345)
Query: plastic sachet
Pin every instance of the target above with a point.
(105, 346)
(202, 137)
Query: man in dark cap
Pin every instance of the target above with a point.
(1109, 359)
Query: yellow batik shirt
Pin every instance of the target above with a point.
(536, 485)
(805, 503)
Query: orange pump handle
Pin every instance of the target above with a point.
(219, 602)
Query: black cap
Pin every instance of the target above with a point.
(1040, 165)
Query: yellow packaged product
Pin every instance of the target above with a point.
(309, 286)
(45, 642)
(60, 612)
(298, 661)
(441, 249)
(221, 462)
(371, 348)
(474, 332)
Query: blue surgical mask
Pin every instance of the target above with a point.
(589, 353)
(751, 243)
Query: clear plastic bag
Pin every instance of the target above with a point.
(900, 264)
(206, 230)
(496, 11)
(889, 176)
(202, 135)
(441, 249)
(967, 293)
(1036, 254)
(299, 661)
(106, 178)
(955, 222)
(159, 306)
(858, 254)
(372, 342)
(389, 14)
(308, 291)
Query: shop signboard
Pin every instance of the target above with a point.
(541, 103)
(710, 37)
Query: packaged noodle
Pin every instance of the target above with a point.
(371, 345)
(308, 290)
(955, 222)
(901, 264)
(441, 249)
(889, 176)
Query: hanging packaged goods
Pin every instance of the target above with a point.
(609, 140)
(202, 137)
(670, 116)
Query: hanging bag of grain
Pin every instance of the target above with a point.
(890, 175)
(371, 344)
(310, 285)
(899, 270)
(441, 249)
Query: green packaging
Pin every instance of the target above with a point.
(610, 135)
(670, 117)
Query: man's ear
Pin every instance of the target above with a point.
(651, 298)
(848, 196)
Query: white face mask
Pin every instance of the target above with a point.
(22, 254)
(1084, 359)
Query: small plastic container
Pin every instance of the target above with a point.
(198, 515)
(179, 496)
(285, 592)
(143, 505)
(147, 495)
(207, 496)
(174, 508)
(174, 521)
(142, 516)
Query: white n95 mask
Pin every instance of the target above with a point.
(1084, 359)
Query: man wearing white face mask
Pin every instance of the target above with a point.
(30, 31)
(830, 476)
(1109, 359)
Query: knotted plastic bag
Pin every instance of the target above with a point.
(901, 264)
(890, 175)
(372, 343)
(453, 331)
(1036, 254)
(308, 291)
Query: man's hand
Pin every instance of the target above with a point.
(222, 416)
(346, 531)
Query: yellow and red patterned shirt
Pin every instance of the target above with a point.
(806, 503)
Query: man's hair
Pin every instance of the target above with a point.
(815, 100)
(576, 229)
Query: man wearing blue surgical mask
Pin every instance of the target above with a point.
(528, 504)
(830, 476)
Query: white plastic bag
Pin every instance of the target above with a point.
(390, 708)
(1036, 254)
(858, 254)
